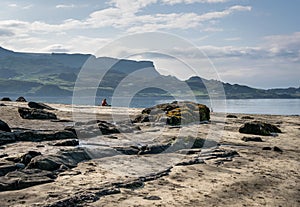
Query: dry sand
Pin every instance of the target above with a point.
(256, 177)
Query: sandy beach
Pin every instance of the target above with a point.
(146, 164)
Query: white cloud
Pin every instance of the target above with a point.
(171, 2)
(64, 6)
(12, 5)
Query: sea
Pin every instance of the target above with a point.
(246, 106)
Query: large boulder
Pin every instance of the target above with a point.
(175, 113)
(5, 99)
(259, 128)
(4, 127)
(21, 99)
(35, 105)
(27, 113)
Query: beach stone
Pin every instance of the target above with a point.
(152, 198)
(69, 158)
(7, 137)
(266, 148)
(21, 99)
(175, 113)
(72, 142)
(26, 158)
(259, 128)
(36, 105)
(277, 149)
(247, 117)
(4, 126)
(252, 139)
(27, 113)
(24, 178)
(6, 168)
(5, 99)
(231, 116)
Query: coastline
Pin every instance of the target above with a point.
(254, 176)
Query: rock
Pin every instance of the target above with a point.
(266, 148)
(152, 198)
(1, 104)
(5, 99)
(252, 139)
(175, 113)
(26, 113)
(35, 105)
(247, 117)
(20, 165)
(4, 127)
(72, 142)
(141, 118)
(21, 99)
(277, 149)
(97, 128)
(259, 128)
(69, 158)
(231, 116)
(71, 129)
(26, 158)
(6, 168)
(7, 137)
(17, 180)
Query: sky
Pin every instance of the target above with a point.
(249, 42)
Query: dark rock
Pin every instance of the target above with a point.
(259, 128)
(69, 158)
(175, 113)
(21, 99)
(71, 129)
(277, 149)
(1, 104)
(252, 139)
(72, 142)
(152, 198)
(7, 137)
(5, 99)
(17, 180)
(34, 136)
(141, 118)
(26, 158)
(27, 113)
(191, 162)
(231, 116)
(20, 165)
(6, 168)
(266, 148)
(247, 117)
(97, 128)
(4, 127)
(3, 155)
(35, 105)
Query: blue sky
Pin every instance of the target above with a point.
(252, 42)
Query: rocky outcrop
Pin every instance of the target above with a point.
(252, 139)
(5, 99)
(175, 113)
(259, 128)
(21, 99)
(4, 126)
(231, 116)
(34, 136)
(98, 127)
(67, 158)
(27, 113)
(35, 105)
(39, 169)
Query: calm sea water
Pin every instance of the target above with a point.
(251, 106)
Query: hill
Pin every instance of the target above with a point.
(43, 74)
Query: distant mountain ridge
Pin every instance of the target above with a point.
(54, 74)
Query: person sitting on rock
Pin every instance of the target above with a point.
(104, 103)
